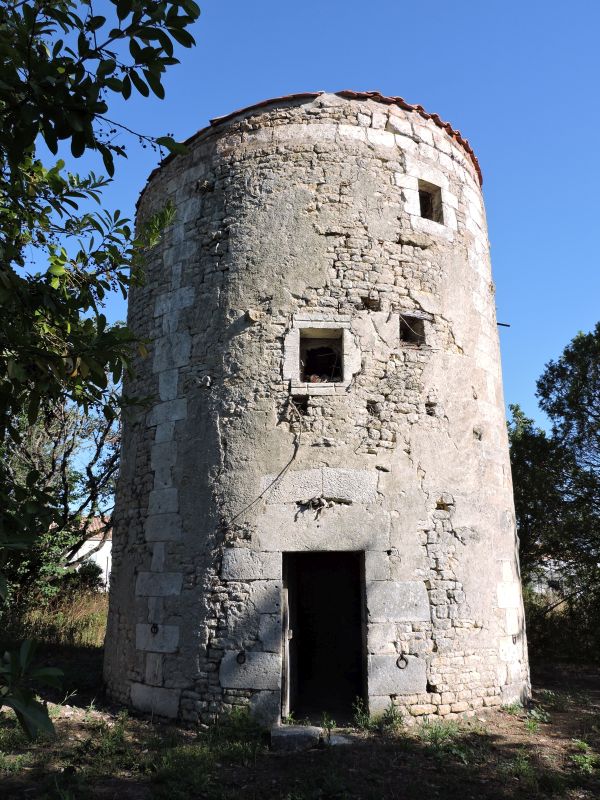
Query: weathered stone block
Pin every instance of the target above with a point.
(171, 351)
(167, 384)
(155, 700)
(158, 584)
(386, 677)
(351, 485)
(163, 527)
(170, 411)
(169, 302)
(243, 564)
(294, 485)
(292, 738)
(377, 566)
(381, 638)
(163, 501)
(509, 595)
(265, 707)
(157, 638)
(269, 632)
(164, 454)
(265, 596)
(397, 601)
(154, 669)
(257, 670)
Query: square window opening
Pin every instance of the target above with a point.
(430, 202)
(412, 330)
(321, 355)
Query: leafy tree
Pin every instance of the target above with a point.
(569, 392)
(556, 478)
(61, 64)
(76, 458)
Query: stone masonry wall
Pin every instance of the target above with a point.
(305, 215)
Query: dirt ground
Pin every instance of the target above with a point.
(551, 749)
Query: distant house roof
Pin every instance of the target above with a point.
(97, 528)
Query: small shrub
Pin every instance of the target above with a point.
(584, 760)
(329, 724)
(556, 701)
(391, 720)
(532, 725)
(361, 718)
(183, 772)
(514, 709)
(520, 767)
(13, 764)
(539, 714)
(438, 734)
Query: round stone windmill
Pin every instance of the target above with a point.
(315, 504)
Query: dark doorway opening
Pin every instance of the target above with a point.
(323, 634)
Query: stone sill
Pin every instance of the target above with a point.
(318, 389)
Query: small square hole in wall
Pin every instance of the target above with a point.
(412, 329)
(300, 405)
(430, 202)
(321, 355)
(370, 303)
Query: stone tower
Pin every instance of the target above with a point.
(316, 503)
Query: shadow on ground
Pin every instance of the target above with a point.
(549, 750)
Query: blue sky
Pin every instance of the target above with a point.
(518, 79)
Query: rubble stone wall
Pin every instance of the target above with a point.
(304, 214)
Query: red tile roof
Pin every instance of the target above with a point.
(378, 98)
(350, 95)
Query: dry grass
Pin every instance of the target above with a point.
(78, 621)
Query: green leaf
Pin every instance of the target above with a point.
(171, 145)
(183, 37)
(139, 84)
(31, 714)
(155, 84)
(94, 23)
(126, 91)
(26, 653)
(78, 145)
(124, 8)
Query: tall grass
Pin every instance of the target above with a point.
(77, 620)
